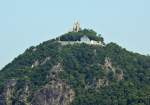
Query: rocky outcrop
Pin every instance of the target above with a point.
(45, 60)
(8, 92)
(54, 93)
(108, 64)
(38, 63)
(101, 83)
(119, 74)
(35, 64)
(11, 93)
(23, 96)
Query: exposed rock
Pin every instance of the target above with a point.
(55, 93)
(57, 68)
(54, 71)
(6, 98)
(35, 64)
(23, 98)
(46, 59)
(101, 83)
(119, 75)
(9, 90)
(108, 63)
(10, 83)
(34, 49)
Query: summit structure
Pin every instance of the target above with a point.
(79, 36)
(76, 27)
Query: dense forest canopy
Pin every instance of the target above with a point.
(75, 36)
(97, 75)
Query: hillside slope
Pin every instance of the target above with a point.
(79, 74)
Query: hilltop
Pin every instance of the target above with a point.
(76, 74)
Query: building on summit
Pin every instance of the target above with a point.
(83, 39)
(86, 40)
(76, 27)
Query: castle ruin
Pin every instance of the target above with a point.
(76, 27)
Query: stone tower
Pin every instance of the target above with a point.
(76, 27)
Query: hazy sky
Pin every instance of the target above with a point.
(29, 22)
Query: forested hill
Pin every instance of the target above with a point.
(78, 74)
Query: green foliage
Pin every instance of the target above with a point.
(82, 68)
(75, 36)
(20, 68)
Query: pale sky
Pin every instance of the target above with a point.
(24, 23)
